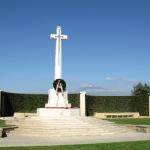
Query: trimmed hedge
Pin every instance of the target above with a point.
(13, 102)
(117, 104)
(74, 99)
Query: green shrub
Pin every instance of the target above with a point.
(13, 102)
(74, 99)
(117, 104)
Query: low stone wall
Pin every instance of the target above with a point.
(117, 115)
(21, 115)
(1, 132)
(139, 128)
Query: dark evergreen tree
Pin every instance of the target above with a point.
(141, 89)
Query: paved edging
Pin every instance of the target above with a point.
(12, 140)
(1, 132)
(140, 128)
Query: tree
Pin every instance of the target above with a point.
(141, 89)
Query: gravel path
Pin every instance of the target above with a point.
(14, 140)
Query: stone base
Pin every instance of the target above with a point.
(57, 99)
(49, 105)
(53, 112)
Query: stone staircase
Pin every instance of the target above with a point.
(63, 126)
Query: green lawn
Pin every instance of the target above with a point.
(131, 121)
(144, 145)
(2, 123)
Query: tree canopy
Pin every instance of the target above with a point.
(141, 89)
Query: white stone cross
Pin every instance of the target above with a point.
(58, 52)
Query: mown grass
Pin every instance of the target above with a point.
(131, 121)
(144, 145)
(2, 123)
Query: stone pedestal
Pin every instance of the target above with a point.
(58, 112)
(82, 104)
(149, 104)
(57, 106)
(57, 100)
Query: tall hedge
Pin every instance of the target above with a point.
(74, 99)
(14, 102)
(117, 104)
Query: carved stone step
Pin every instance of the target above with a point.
(64, 126)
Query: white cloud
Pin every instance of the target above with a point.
(116, 86)
(93, 89)
(109, 78)
(130, 81)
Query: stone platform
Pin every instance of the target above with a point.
(63, 126)
(57, 111)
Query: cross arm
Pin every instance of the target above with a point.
(53, 36)
(64, 37)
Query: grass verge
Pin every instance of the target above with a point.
(2, 123)
(131, 121)
(144, 145)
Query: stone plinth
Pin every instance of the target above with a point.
(57, 106)
(55, 112)
(82, 104)
(57, 99)
(149, 104)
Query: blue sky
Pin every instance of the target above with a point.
(107, 53)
